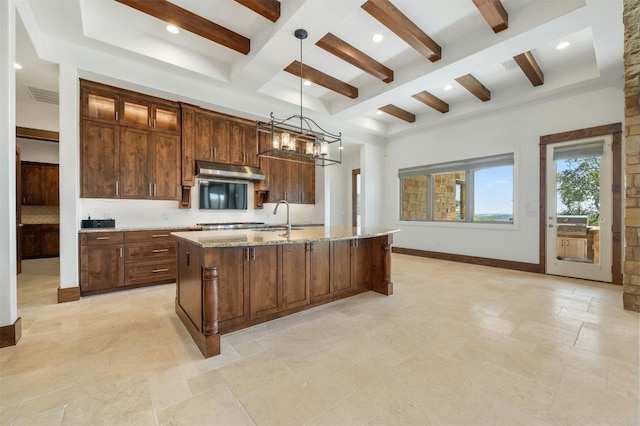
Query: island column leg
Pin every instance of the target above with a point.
(382, 282)
(210, 311)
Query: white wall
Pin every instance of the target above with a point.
(38, 151)
(341, 185)
(513, 130)
(372, 180)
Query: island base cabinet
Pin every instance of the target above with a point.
(319, 267)
(295, 275)
(224, 289)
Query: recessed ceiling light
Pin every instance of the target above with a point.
(17, 66)
(173, 29)
(378, 112)
(563, 45)
(377, 38)
(307, 83)
(448, 87)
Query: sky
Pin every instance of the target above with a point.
(494, 190)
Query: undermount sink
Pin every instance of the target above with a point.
(277, 228)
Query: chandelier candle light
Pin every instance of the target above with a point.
(298, 138)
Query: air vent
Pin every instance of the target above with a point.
(42, 95)
(509, 65)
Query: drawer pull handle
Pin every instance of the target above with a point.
(102, 238)
(159, 235)
(160, 250)
(155, 271)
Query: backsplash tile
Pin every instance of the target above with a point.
(40, 214)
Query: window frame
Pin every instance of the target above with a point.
(469, 167)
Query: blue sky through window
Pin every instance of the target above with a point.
(494, 191)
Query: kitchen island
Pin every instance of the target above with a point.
(229, 280)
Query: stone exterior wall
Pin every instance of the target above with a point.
(444, 198)
(414, 198)
(631, 286)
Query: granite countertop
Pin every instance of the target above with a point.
(278, 235)
(139, 228)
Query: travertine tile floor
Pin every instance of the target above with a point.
(456, 344)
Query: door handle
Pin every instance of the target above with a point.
(551, 225)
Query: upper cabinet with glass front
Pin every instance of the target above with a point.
(112, 105)
(98, 104)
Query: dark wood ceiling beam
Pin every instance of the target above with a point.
(476, 88)
(325, 80)
(494, 13)
(432, 101)
(41, 135)
(191, 22)
(355, 57)
(530, 68)
(403, 27)
(398, 113)
(269, 9)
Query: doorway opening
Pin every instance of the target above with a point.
(356, 214)
(580, 223)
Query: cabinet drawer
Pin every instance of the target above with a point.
(92, 238)
(150, 272)
(149, 236)
(149, 251)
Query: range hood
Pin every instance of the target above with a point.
(207, 169)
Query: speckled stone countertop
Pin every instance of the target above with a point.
(278, 235)
(139, 228)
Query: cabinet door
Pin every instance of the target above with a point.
(102, 267)
(341, 266)
(295, 279)
(221, 150)
(99, 104)
(32, 184)
(203, 136)
(165, 166)
(292, 186)
(233, 291)
(361, 264)
(266, 295)
(275, 179)
(251, 146)
(30, 241)
(135, 112)
(165, 118)
(51, 180)
(236, 143)
(50, 241)
(135, 181)
(100, 160)
(320, 270)
(308, 183)
(187, 146)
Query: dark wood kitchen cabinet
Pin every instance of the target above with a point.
(40, 184)
(149, 164)
(130, 145)
(295, 275)
(290, 181)
(40, 240)
(126, 259)
(351, 266)
(100, 164)
(101, 261)
(245, 271)
(319, 270)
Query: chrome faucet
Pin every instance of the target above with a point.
(276, 211)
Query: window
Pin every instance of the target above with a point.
(475, 190)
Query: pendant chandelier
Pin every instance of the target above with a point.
(298, 138)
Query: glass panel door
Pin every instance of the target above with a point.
(579, 205)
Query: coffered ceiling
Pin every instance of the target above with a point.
(438, 61)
